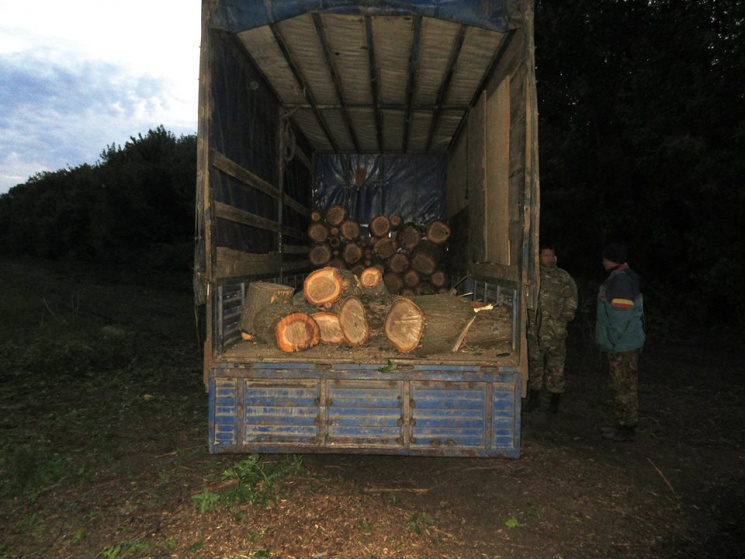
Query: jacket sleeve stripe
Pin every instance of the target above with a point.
(621, 303)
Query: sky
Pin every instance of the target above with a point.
(77, 77)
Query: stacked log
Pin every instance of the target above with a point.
(410, 251)
(338, 307)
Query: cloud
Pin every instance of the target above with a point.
(57, 111)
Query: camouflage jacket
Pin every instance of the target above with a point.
(557, 304)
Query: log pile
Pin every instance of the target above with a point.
(409, 256)
(339, 307)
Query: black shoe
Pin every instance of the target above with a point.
(534, 400)
(553, 407)
(622, 433)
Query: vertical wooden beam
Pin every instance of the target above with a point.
(374, 81)
(411, 86)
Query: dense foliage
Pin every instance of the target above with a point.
(134, 207)
(642, 131)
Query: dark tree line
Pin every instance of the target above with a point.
(134, 207)
(642, 136)
(642, 131)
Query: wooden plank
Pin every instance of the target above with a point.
(497, 175)
(293, 249)
(477, 181)
(491, 270)
(235, 263)
(232, 213)
(230, 167)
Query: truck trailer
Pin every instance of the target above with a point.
(424, 109)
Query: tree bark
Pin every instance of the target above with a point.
(438, 232)
(258, 295)
(325, 286)
(429, 324)
(288, 328)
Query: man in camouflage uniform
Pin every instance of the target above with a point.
(619, 332)
(547, 330)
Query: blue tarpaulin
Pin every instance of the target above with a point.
(497, 15)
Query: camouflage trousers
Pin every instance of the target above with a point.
(546, 359)
(624, 374)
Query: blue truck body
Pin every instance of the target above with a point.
(421, 108)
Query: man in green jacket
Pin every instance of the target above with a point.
(619, 332)
(547, 330)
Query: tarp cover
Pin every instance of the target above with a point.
(411, 185)
(497, 15)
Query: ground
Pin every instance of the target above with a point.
(103, 451)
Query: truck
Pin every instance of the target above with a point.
(420, 108)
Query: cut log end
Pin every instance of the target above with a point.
(297, 332)
(353, 322)
(328, 323)
(404, 325)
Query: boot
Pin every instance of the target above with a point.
(534, 400)
(553, 407)
(622, 433)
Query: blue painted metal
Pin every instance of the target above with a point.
(498, 15)
(429, 410)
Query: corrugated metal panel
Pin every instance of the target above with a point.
(365, 413)
(281, 412)
(448, 414)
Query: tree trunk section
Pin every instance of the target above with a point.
(352, 253)
(429, 324)
(353, 322)
(328, 323)
(409, 236)
(386, 247)
(258, 295)
(399, 263)
(396, 221)
(438, 232)
(325, 286)
(393, 282)
(425, 257)
(379, 226)
(318, 232)
(335, 214)
(288, 328)
(349, 229)
(438, 278)
(320, 255)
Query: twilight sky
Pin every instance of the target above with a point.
(76, 77)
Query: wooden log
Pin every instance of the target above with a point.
(407, 292)
(490, 328)
(291, 330)
(396, 221)
(438, 232)
(438, 278)
(425, 257)
(334, 242)
(411, 278)
(320, 255)
(393, 282)
(318, 232)
(316, 215)
(352, 253)
(258, 295)
(353, 322)
(349, 229)
(337, 262)
(380, 225)
(399, 263)
(370, 277)
(386, 247)
(425, 288)
(335, 214)
(328, 323)
(409, 236)
(429, 324)
(325, 286)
